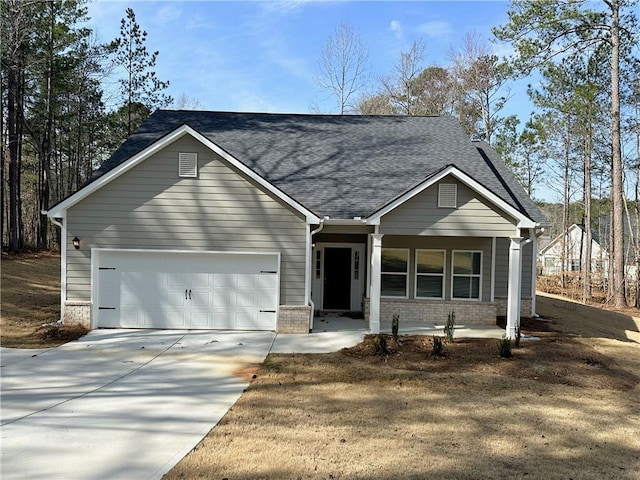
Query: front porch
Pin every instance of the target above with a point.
(336, 324)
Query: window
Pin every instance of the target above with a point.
(395, 272)
(188, 164)
(467, 272)
(318, 263)
(430, 273)
(447, 195)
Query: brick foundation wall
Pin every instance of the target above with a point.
(435, 312)
(294, 318)
(77, 313)
(525, 307)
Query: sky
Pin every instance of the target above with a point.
(262, 56)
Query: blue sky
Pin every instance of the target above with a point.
(262, 56)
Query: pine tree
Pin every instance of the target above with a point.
(141, 89)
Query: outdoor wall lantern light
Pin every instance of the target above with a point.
(76, 243)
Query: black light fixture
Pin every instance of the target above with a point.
(76, 243)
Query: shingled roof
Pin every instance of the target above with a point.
(339, 166)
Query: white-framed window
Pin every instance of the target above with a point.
(447, 195)
(187, 164)
(430, 273)
(466, 274)
(394, 278)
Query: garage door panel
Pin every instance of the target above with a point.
(174, 279)
(266, 300)
(247, 280)
(246, 299)
(184, 290)
(265, 320)
(225, 280)
(268, 281)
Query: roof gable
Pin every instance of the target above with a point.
(522, 219)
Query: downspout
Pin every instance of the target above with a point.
(310, 270)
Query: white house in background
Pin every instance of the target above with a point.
(567, 253)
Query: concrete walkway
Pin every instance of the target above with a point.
(119, 404)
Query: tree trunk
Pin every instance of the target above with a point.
(617, 186)
(565, 212)
(586, 275)
(14, 140)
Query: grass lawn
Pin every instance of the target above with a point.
(30, 298)
(564, 407)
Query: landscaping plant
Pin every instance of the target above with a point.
(449, 326)
(437, 347)
(394, 327)
(504, 348)
(380, 344)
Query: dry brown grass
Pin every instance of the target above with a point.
(30, 298)
(561, 408)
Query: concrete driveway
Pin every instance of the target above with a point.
(119, 404)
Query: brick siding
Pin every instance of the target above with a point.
(294, 318)
(77, 313)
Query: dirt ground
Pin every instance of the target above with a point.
(594, 321)
(564, 406)
(30, 298)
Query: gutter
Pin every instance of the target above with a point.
(53, 220)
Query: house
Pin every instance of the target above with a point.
(567, 253)
(218, 220)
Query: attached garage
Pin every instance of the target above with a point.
(185, 290)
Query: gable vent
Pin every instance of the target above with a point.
(188, 164)
(447, 195)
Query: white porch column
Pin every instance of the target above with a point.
(513, 295)
(534, 273)
(374, 294)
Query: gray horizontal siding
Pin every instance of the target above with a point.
(473, 217)
(502, 268)
(151, 207)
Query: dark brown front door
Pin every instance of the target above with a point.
(337, 279)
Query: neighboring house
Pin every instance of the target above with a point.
(567, 253)
(254, 221)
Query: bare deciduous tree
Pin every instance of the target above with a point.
(343, 67)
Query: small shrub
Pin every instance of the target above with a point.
(449, 326)
(504, 348)
(394, 327)
(380, 344)
(437, 347)
(516, 342)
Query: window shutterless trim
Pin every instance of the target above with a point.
(442, 275)
(466, 275)
(406, 274)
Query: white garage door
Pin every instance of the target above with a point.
(187, 290)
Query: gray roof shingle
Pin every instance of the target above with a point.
(339, 166)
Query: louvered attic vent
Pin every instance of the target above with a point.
(447, 195)
(188, 164)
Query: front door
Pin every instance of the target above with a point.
(337, 279)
